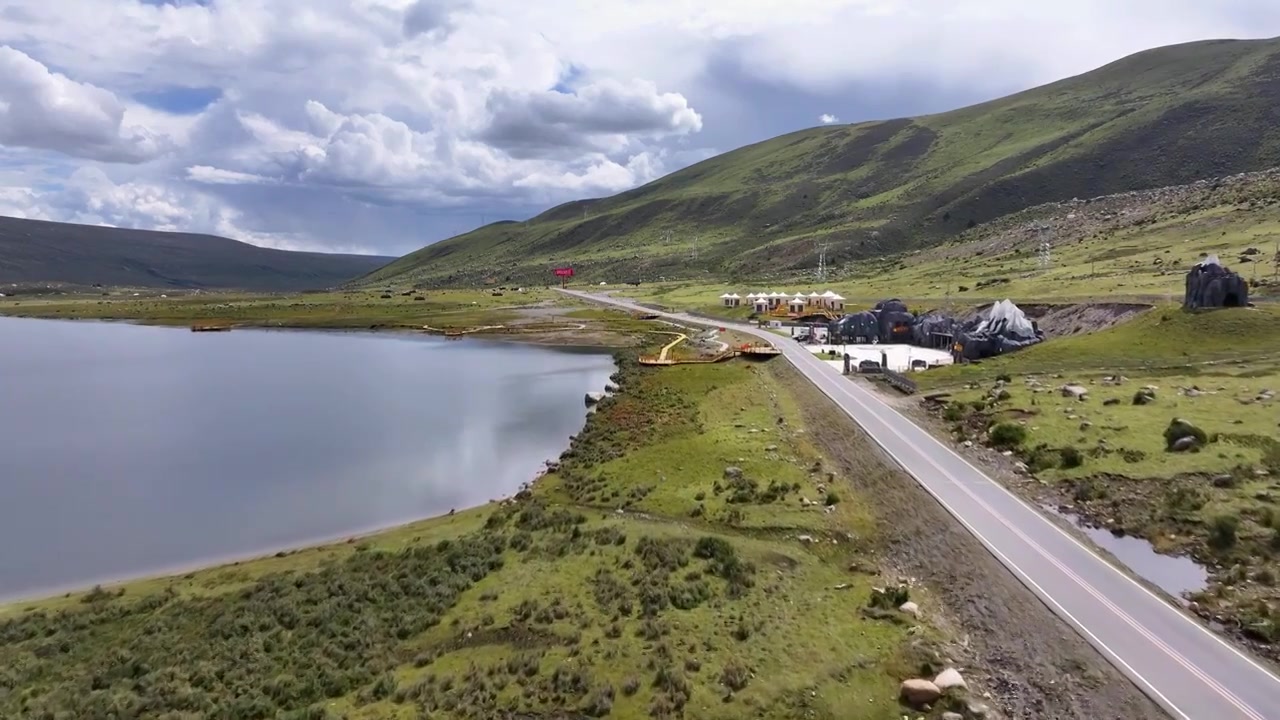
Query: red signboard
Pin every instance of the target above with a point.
(564, 272)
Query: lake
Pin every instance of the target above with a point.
(128, 450)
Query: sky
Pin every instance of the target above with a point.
(380, 126)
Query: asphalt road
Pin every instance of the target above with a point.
(1182, 665)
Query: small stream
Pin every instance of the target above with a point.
(1176, 575)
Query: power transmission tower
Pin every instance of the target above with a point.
(1044, 252)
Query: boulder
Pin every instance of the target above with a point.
(949, 678)
(1074, 391)
(732, 472)
(1145, 396)
(1179, 430)
(918, 693)
(1111, 401)
(976, 710)
(1184, 444)
(593, 397)
(909, 608)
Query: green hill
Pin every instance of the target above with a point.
(1162, 117)
(36, 251)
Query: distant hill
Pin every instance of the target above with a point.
(1162, 117)
(33, 251)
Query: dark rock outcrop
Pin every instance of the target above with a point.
(1210, 285)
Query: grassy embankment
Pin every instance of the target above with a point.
(1107, 456)
(697, 595)
(447, 309)
(536, 315)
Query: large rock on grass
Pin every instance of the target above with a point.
(1177, 434)
(918, 693)
(1074, 391)
(949, 678)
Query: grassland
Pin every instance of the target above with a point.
(1163, 117)
(1106, 458)
(1130, 248)
(535, 315)
(450, 309)
(644, 575)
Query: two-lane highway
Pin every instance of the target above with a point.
(1190, 671)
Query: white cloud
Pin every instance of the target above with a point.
(49, 111)
(356, 122)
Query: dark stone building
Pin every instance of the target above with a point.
(1210, 285)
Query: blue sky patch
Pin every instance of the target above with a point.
(568, 80)
(180, 100)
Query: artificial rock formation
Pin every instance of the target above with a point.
(1210, 285)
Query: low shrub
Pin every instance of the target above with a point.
(1007, 435)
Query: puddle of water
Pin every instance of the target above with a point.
(1174, 574)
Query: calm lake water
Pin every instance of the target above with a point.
(128, 450)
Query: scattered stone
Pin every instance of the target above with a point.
(771, 448)
(968, 443)
(1086, 425)
(806, 538)
(976, 710)
(909, 608)
(1183, 444)
(918, 693)
(1145, 396)
(949, 678)
(732, 472)
(1223, 481)
(1074, 391)
(593, 397)
(952, 716)
(1111, 401)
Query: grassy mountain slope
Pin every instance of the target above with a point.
(36, 251)
(1162, 117)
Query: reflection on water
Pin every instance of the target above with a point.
(1174, 574)
(127, 449)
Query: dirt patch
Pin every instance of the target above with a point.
(1034, 665)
